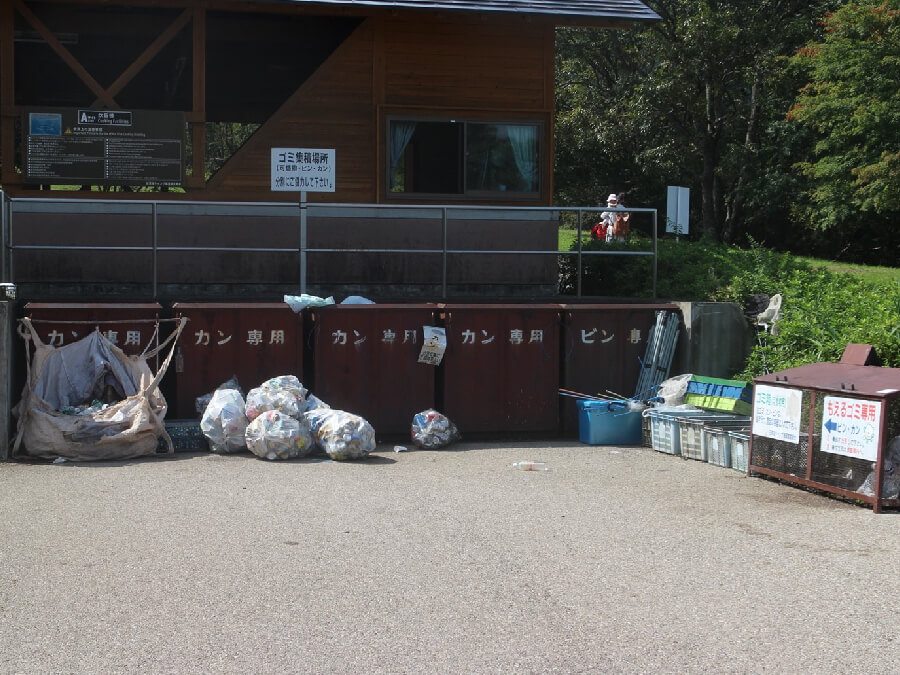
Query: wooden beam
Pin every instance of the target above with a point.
(379, 65)
(152, 50)
(198, 112)
(550, 104)
(65, 54)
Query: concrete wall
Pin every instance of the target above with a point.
(715, 339)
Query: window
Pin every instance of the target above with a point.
(471, 158)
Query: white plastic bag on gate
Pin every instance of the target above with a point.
(63, 379)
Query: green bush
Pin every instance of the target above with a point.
(823, 311)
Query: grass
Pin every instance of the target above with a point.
(869, 274)
(567, 238)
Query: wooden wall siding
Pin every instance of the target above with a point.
(419, 65)
(465, 63)
(333, 109)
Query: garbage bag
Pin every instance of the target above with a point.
(313, 402)
(431, 430)
(672, 391)
(201, 402)
(59, 415)
(298, 302)
(890, 481)
(340, 434)
(224, 422)
(274, 435)
(284, 393)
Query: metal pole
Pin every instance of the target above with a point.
(303, 242)
(655, 254)
(155, 251)
(444, 255)
(8, 253)
(579, 261)
(3, 235)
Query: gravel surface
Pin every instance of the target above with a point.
(616, 560)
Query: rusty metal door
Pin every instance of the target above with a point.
(602, 350)
(254, 341)
(366, 362)
(501, 369)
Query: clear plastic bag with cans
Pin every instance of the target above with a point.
(274, 435)
(313, 402)
(340, 434)
(224, 422)
(284, 393)
(432, 430)
(201, 402)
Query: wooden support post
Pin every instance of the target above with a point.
(8, 110)
(198, 112)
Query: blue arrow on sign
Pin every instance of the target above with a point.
(830, 426)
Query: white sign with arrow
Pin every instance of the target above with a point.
(850, 427)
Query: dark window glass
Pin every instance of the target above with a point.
(463, 158)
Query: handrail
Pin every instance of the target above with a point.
(154, 208)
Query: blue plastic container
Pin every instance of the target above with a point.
(608, 423)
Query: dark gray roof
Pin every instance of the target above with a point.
(615, 10)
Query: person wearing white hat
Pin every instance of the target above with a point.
(612, 221)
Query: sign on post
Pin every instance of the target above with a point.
(678, 210)
(302, 170)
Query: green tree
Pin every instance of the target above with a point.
(696, 99)
(852, 107)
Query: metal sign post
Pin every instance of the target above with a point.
(678, 210)
(302, 170)
(303, 241)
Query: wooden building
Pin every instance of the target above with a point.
(422, 101)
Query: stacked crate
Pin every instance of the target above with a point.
(714, 394)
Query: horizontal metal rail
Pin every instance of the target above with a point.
(154, 208)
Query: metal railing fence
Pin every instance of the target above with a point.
(10, 206)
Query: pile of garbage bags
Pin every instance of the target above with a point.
(282, 419)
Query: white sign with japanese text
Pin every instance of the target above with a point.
(776, 413)
(302, 170)
(434, 347)
(850, 427)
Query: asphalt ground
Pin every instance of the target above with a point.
(616, 560)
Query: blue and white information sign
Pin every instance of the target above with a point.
(850, 427)
(302, 170)
(776, 413)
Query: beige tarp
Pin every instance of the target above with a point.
(91, 368)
